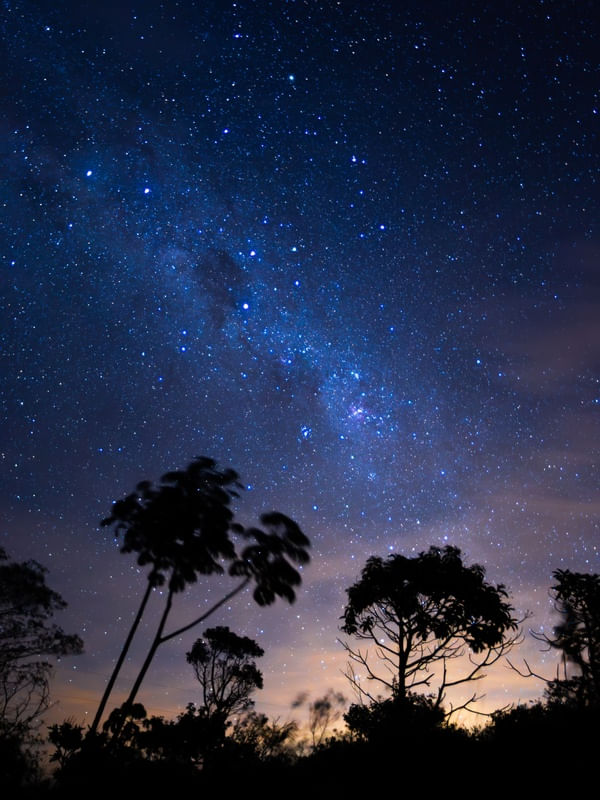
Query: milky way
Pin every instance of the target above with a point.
(348, 249)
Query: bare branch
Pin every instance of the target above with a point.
(422, 613)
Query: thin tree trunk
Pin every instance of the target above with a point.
(121, 659)
(138, 681)
(160, 639)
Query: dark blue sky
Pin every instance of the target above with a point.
(348, 249)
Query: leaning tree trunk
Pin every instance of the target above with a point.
(121, 659)
(160, 639)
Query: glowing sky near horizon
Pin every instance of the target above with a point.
(348, 249)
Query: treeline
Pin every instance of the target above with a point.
(418, 627)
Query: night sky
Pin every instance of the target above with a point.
(349, 249)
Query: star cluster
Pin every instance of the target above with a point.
(348, 249)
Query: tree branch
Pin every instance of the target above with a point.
(207, 614)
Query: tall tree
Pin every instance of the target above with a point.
(29, 640)
(422, 613)
(184, 528)
(178, 528)
(225, 667)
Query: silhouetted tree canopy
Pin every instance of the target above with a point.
(179, 528)
(421, 613)
(67, 738)
(267, 562)
(224, 665)
(258, 737)
(387, 720)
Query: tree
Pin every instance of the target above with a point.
(183, 528)
(322, 713)
(224, 665)
(577, 599)
(194, 737)
(384, 721)
(257, 736)
(28, 643)
(421, 614)
(67, 739)
(179, 528)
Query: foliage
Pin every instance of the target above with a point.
(192, 738)
(28, 640)
(421, 613)
(224, 665)
(386, 720)
(183, 528)
(254, 734)
(201, 738)
(194, 743)
(67, 739)
(267, 562)
(322, 713)
(179, 528)
(124, 723)
(577, 599)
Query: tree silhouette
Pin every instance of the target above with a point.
(421, 614)
(193, 738)
(322, 713)
(224, 665)
(183, 528)
(263, 738)
(576, 597)
(384, 721)
(28, 639)
(67, 738)
(179, 528)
